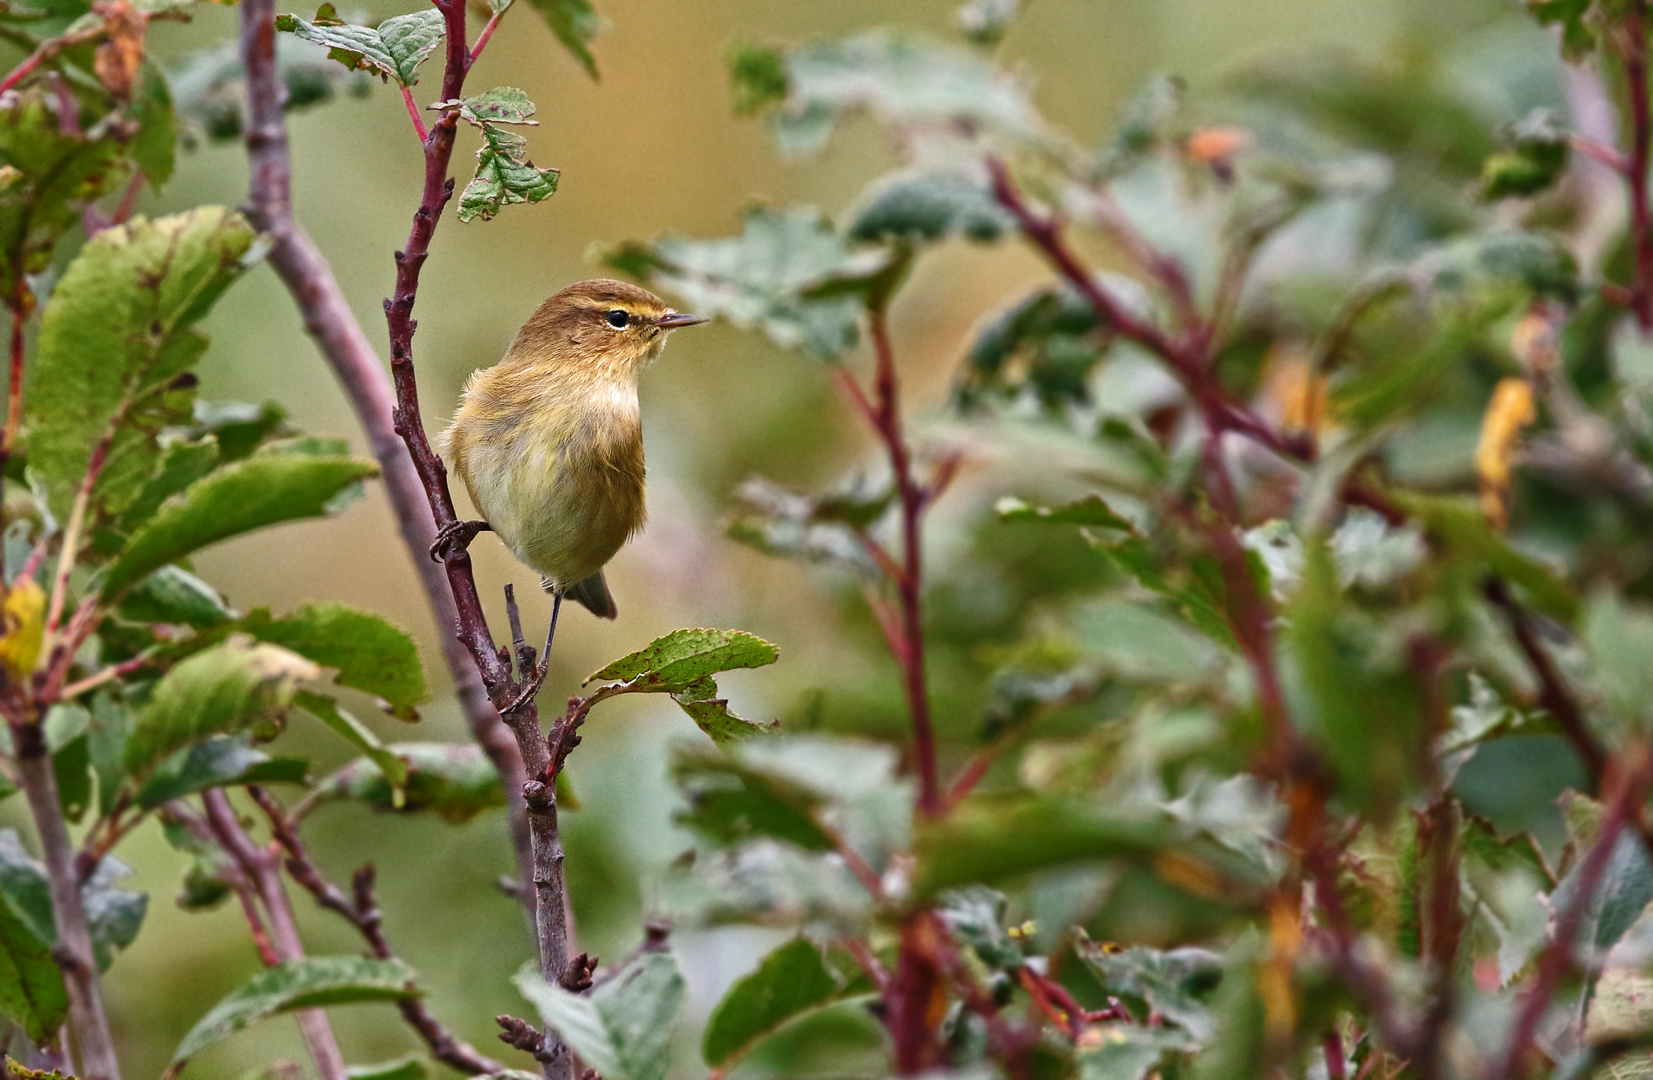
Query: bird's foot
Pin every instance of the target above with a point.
(454, 537)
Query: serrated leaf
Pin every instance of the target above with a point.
(453, 780)
(730, 803)
(370, 653)
(175, 596)
(394, 49)
(1171, 982)
(233, 686)
(501, 105)
(574, 23)
(975, 916)
(262, 490)
(902, 80)
(711, 714)
(114, 337)
(675, 662)
(1047, 343)
(113, 914)
(58, 169)
(788, 274)
(182, 463)
(504, 175)
(1091, 510)
(1194, 602)
(307, 983)
(790, 981)
(624, 1028)
(393, 768)
(220, 761)
(927, 207)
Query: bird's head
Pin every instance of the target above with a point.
(599, 329)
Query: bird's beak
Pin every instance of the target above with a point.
(677, 319)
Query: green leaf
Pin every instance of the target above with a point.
(676, 662)
(59, 170)
(501, 105)
(394, 49)
(1578, 31)
(1091, 510)
(757, 76)
(926, 207)
(230, 687)
(902, 80)
(221, 761)
(1172, 983)
(975, 916)
(788, 274)
(730, 803)
(820, 528)
(984, 22)
(353, 731)
(407, 1068)
(624, 1028)
(369, 652)
(1129, 1052)
(1363, 713)
(1460, 528)
(790, 981)
(182, 463)
(177, 597)
(312, 982)
(31, 987)
(114, 337)
(989, 838)
(113, 914)
(1535, 155)
(504, 175)
(575, 24)
(1616, 901)
(1047, 344)
(1618, 637)
(453, 780)
(262, 490)
(711, 714)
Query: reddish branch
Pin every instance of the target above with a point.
(1634, 43)
(356, 364)
(1187, 357)
(362, 912)
(261, 871)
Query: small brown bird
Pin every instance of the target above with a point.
(549, 441)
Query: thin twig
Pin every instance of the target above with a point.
(259, 867)
(413, 114)
(362, 912)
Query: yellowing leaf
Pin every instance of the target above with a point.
(22, 625)
(1508, 413)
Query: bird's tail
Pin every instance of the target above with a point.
(592, 592)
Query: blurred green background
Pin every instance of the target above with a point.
(651, 148)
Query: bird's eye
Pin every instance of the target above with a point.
(618, 319)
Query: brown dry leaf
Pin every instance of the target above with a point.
(1508, 413)
(119, 59)
(1274, 981)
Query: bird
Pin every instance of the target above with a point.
(549, 441)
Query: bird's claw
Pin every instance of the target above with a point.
(454, 537)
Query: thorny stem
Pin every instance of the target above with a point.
(492, 663)
(362, 912)
(329, 320)
(95, 1045)
(259, 868)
